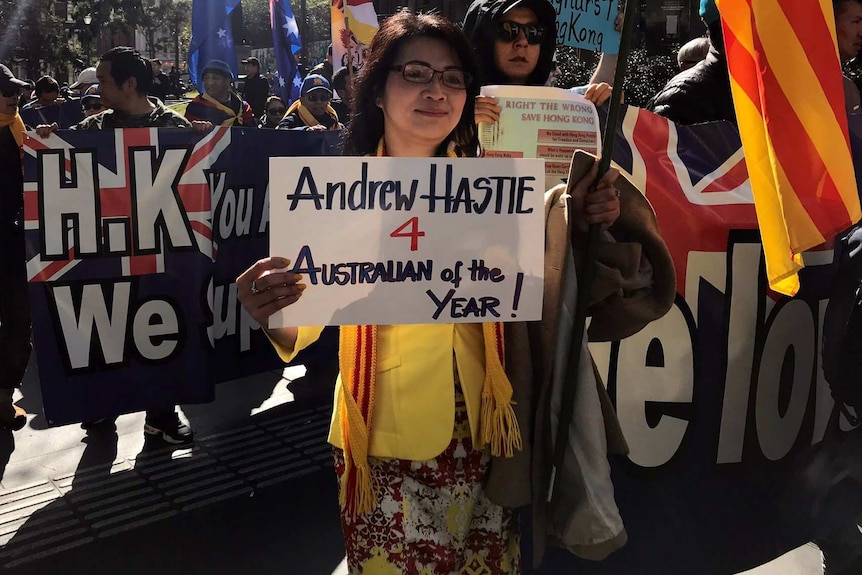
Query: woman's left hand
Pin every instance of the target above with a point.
(599, 204)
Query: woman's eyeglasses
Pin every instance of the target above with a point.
(276, 111)
(318, 96)
(508, 31)
(93, 106)
(421, 73)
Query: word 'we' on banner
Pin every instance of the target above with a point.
(409, 240)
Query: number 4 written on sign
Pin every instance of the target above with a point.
(414, 234)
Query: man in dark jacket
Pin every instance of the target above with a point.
(219, 104)
(256, 88)
(312, 111)
(125, 78)
(702, 93)
(14, 297)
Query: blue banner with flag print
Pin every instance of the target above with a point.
(212, 37)
(286, 42)
(134, 240)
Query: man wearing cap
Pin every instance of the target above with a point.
(219, 104)
(701, 93)
(86, 78)
(312, 111)
(256, 88)
(91, 101)
(14, 297)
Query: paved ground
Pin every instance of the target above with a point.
(255, 495)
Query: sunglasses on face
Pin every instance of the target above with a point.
(421, 73)
(318, 96)
(94, 106)
(276, 111)
(508, 31)
(16, 93)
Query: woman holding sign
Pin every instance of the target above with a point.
(419, 409)
(515, 42)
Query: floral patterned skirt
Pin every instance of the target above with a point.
(432, 516)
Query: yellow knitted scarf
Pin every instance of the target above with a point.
(16, 125)
(358, 363)
(307, 117)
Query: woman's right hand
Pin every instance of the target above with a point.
(487, 110)
(266, 287)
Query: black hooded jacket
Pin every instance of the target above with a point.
(699, 94)
(480, 27)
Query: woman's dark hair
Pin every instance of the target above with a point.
(366, 127)
(129, 63)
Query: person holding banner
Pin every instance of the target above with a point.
(125, 78)
(313, 110)
(14, 295)
(412, 483)
(219, 104)
(515, 41)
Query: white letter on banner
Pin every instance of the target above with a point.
(157, 202)
(792, 331)
(165, 326)
(741, 333)
(59, 203)
(639, 384)
(78, 329)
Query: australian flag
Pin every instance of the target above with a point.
(285, 37)
(212, 36)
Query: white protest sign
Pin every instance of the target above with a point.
(409, 240)
(541, 122)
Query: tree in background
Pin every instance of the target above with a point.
(35, 35)
(645, 75)
(313, 29)
(166, 26)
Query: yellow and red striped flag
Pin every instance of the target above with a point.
(789, 97)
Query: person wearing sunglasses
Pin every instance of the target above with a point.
(14, 296)
(313, 110)
(91, 101)
(274, 110)
(515, 42)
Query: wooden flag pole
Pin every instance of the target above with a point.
(587, 269)
(349, 49)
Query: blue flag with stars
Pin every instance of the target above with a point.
(285, 37)
(212, 37)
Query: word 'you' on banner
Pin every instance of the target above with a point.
(587, 24)
(409, 240)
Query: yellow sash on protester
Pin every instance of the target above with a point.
(307, 117)
(235, 117)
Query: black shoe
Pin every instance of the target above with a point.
(103, 426)
(170, 429)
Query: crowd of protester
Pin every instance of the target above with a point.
(414, 59)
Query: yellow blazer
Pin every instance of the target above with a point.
(414, 399)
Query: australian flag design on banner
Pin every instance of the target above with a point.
(285, 37)
(212, 36)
